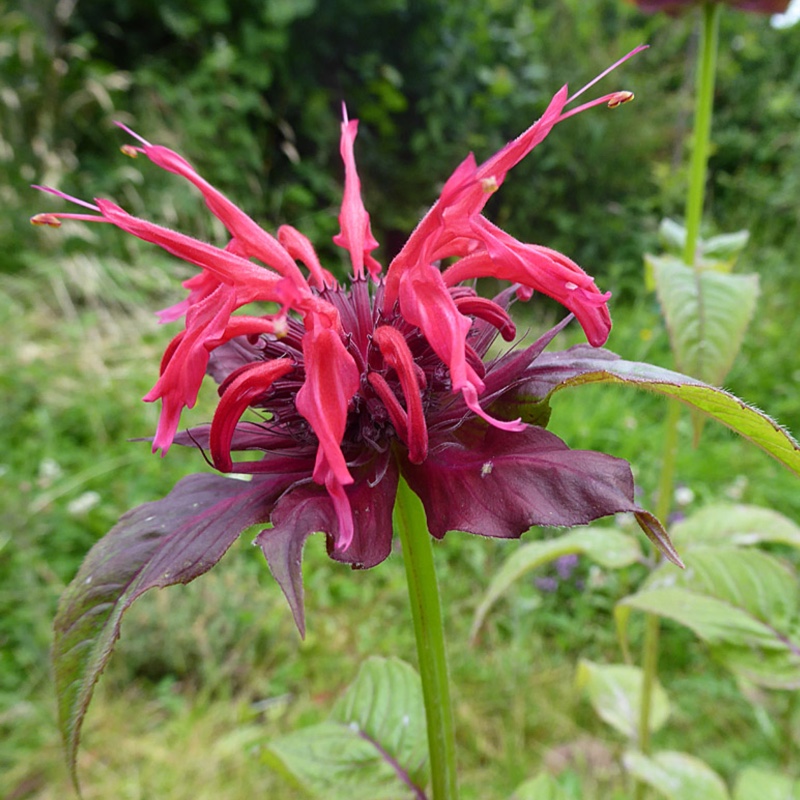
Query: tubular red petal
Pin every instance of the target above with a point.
(471, 399)
(332, 378)
(224, 265)
(255, 241)
(299, 246)
(200, 286)
(489, 312)
(426, 303)
(184, 363)
(397, 414)
(344, 513)
(240, 393)
(356, 234)
(397, 355)
(538, 268)
(464, 195)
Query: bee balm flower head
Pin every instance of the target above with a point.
(355, 384)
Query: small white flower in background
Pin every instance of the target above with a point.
(83, 504)
(49, 471)
(736, 488)
(684, 496)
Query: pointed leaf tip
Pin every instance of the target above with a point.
(658, 535)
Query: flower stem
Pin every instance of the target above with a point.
(423, 591)
(704, 104)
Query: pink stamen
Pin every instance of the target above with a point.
(610, 69)
(65, 196)
(132, 133)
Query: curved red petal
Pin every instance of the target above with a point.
(241, 392)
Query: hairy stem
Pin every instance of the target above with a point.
(423, 591)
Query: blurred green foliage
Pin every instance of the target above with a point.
(251, 93)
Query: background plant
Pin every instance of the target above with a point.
(63, 336)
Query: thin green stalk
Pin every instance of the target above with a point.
(423, 591)
(704, 105)
(652, 634)
(701, 139)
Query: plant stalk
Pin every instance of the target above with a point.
(701, 137)
(701, 140)
(423, 590)
(666, 486)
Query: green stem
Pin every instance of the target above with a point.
(704, 105)
(666, 486)
(423, 591)
(701, 139)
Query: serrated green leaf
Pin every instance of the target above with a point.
(542, 787)
(750, 580)
(677, 776)
(718, 404)
(374, 747)
(615, 692)
(707, 313)
(761, 784)
(332, 761)
(743, 603)
(385, 703)
(734, 524)
(605, 546)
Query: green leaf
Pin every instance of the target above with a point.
(615, 692)
(707, 313)
(374, 747)
(605, 546)
(734, 524)
(329, 760)
(725, 247)
(743, 603)
(677, 776)
(385, 703)
(542, 787)
(673, 234)
(760, 784)
(718, 404)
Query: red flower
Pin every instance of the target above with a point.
(359, 383)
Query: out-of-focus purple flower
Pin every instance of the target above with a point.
(565, 565)
(547, 584)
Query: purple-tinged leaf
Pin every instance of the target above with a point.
(500, 484)
(158, 544)
(308, 509)
(657, 534)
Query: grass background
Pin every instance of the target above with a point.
(205, 674)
